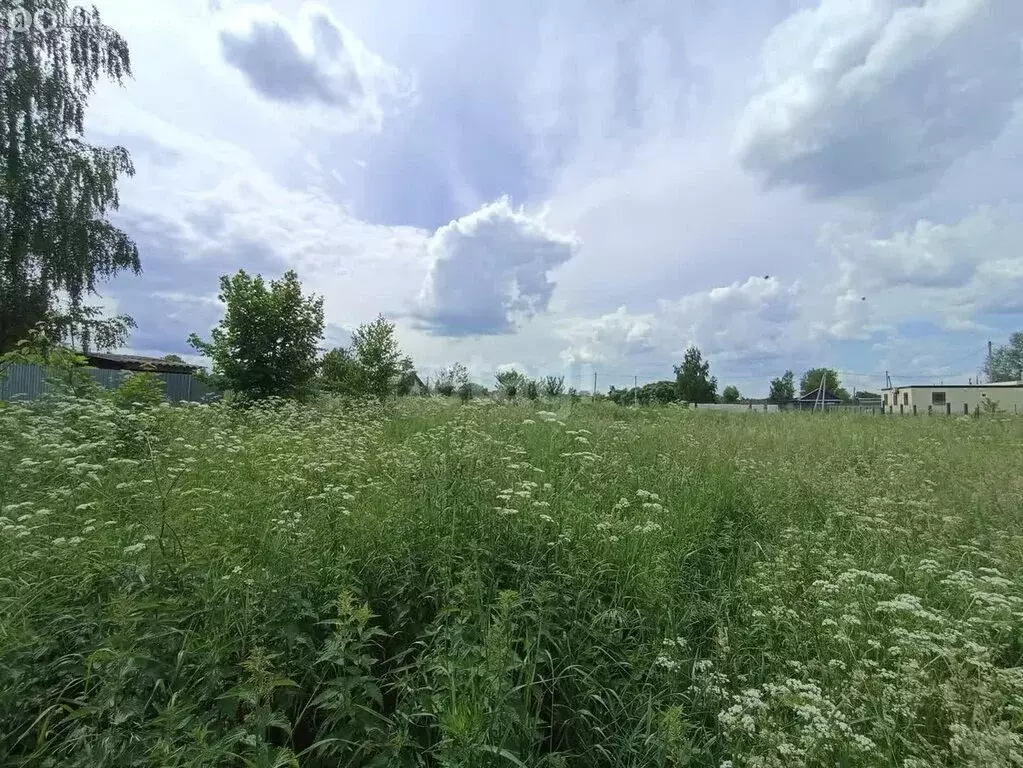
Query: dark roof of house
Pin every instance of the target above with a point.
(138, 363)
(809, 397)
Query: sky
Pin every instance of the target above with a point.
(577, 188)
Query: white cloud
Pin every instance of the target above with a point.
(755, 319)
(743, 322)
(614, 337)
(316, 61)
(950, 273)
(876, 97)
(489, 271)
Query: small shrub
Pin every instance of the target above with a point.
(142, 389)
(554, 386)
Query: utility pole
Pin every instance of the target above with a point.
(594, 385)
(989, 361)
(635, 390)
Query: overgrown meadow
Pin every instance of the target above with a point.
(433, 584)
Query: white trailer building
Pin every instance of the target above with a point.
(953, 398)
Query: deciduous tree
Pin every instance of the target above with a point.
(1006, 361)
(812, 380)
(451, 379)
(56, 190)
(340, 373)
(373, 365)
(266, 343)
(510, 382)
(783, 389)
(532, 389)
(554, 386)
(385, 368)
(693, 379)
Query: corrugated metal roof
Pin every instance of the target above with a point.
(137, 361)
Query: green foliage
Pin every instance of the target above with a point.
(340, 373)
(378, 354)
(864, 394)
(510, 382)
(554, 386)
(783, 390)
(812, 379)
(65, 370)
(465, 392)
(266, 343)
(693, 381)
(989, 406)
(56, 191)
(140, 389)
(373, 366)
(86, 329)
(730, 394)
(654, 393)
(532, 390)
(452, 379)
(1006, 361)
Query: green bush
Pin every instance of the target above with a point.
(140, 390)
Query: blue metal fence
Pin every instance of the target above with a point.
(27, 382)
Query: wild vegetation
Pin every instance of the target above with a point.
(427, 583)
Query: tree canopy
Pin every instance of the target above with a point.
(812, 379)
(373, 365)
(693, 380)
(451, 379)
(266, 343)
(56, 190)
(730, 394)
(385, 367)
(783, 389)
(1006, 361)
(554, 386)
(510, 382)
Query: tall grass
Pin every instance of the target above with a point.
(426, 584)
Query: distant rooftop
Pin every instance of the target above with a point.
(138, 363)
(956, 386)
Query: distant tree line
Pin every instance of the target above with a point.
(694, 384)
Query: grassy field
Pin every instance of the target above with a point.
(429, 584)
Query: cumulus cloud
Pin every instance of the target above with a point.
(949, 272)
(740, 318)
(316, 61)
(611, 337)
(489, 271)
(866, 97)
(744, 322)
